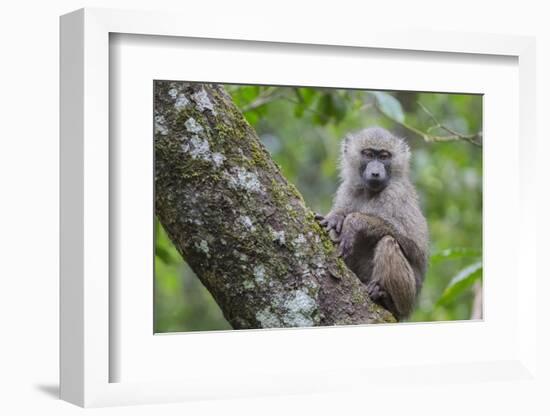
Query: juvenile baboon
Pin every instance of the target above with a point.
(376, 219)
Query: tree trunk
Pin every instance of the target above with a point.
(241, 226)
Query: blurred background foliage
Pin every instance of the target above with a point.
(302, 128)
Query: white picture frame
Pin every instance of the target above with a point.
(87, 356)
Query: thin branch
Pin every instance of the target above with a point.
(266, 96)
(475, 139)
(477, 306)
(454, 135)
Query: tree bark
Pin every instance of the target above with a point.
(241, 226)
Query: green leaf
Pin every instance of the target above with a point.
(389, 105)
(324, 109)
(299, 110)
(252, 117)
(164, 255)
(306, 96)
(250, 93)
(460, 282)
(339, 107)
(453, 253)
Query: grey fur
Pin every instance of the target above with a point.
(383, 236)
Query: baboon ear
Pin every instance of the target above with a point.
(405, 144)
(345, 143)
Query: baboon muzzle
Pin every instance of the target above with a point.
(375, 175)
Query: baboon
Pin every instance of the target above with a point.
(376, 219)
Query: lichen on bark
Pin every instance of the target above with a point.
(244, 230)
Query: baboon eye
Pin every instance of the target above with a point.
(385, 155)
(368, 153)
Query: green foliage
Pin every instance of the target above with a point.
(463, 280)
(454, 253)
(302, 129)
(389, 105)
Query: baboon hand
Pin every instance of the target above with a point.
(346, 240)
(332, 221)
(348, 234)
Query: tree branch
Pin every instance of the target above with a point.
(266, 96)
(240, 225)
(475, 139)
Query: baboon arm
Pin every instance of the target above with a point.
(371, 229)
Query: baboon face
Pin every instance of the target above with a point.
(375, 168)
(372, 158)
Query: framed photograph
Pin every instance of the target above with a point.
(314, 135)
(281, 213)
